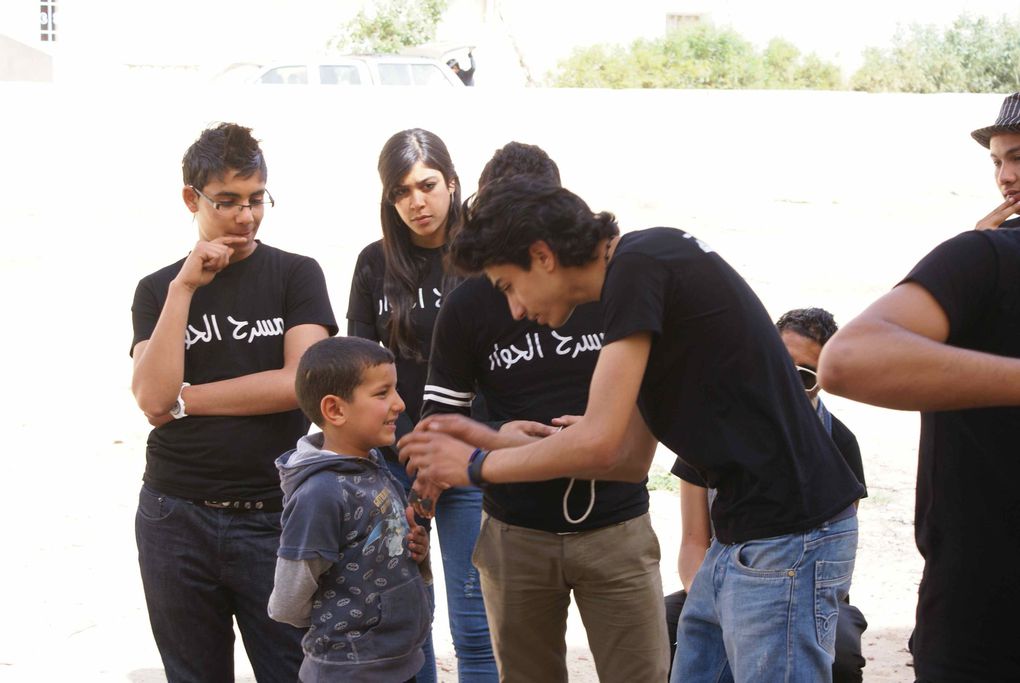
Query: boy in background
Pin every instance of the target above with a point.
(348, 564)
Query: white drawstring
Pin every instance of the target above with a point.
(591, 503)
(566, 495)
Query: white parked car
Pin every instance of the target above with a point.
(360, 70)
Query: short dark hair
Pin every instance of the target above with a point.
(507, 216)
(814, 323)
(221, 148)
(334, 367)
(518, 158)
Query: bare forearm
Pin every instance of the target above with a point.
(692, 554)
(696, 535)
(261, 393)
(579, 451)
(880, 363)
(159, 361)
(610, 442)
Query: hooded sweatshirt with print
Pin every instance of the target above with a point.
(371, 613)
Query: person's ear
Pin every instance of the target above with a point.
(452, 186)
(542, 256)
(333, 409)
(191, 198)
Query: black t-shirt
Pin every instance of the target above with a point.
(846, 442)
(369, 314)
(524, 371)
(720, 389)
(967, 517)
(841, 435)
(236, 326)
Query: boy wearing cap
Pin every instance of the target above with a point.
(946, 341)
(1003, 141)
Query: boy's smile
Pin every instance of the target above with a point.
(373, 410)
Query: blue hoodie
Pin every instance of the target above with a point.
(371, 612)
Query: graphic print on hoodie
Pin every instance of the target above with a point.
(371, 612)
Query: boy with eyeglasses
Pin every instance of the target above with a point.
(217, 338)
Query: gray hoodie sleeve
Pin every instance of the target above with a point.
(294, 586)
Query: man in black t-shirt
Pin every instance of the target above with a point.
(542, 542)
(217, 339)
(804, 332)
(946, 342)
(689, 355)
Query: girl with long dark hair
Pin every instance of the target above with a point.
(398, 286)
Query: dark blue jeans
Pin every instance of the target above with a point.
(201, 568)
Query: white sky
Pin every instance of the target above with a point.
(218, 32)
(836, 31)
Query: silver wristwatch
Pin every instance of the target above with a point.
(177, 411)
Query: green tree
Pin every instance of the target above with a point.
(388, 25)
(971, 55)
(697, 56)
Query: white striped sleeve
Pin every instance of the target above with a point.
(459, 399)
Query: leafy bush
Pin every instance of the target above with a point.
(972, 55)
(389, 25)
(698, 56)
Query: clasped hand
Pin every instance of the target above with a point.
(436, 453)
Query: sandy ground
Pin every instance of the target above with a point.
(817, 198)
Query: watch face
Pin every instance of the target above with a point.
(176, 410)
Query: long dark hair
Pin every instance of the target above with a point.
(405, 270)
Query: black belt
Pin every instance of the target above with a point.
(265, 505)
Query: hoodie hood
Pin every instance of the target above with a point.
(299, 463)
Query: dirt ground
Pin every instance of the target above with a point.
(822, 199)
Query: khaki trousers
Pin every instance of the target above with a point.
(527, 577)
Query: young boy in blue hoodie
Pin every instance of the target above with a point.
(348, 563)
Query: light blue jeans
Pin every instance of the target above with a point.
(765, 610)
(458, 517)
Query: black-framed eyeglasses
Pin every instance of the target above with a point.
(809, 378)
(228, 207)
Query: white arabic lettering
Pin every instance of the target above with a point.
(507, 357)
(193, 335)
(587, 342)
(262, 328)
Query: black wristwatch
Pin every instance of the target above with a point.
(474, 468)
